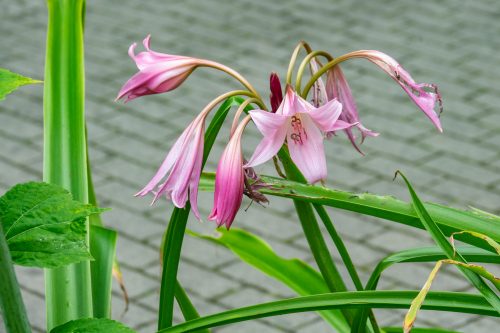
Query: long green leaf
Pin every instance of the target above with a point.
(440, 239)
(44, 226)
(487, 239)
(11, 302)
(416, 304)
(418, 330)
(92, 325)
(105, 266)
(102, 248)
(423, 254)
(449, 219)
(438, 301)
(10, 81)
(294, 273)
(68, 290)
(187, 307)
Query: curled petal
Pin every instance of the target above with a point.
(158, 72)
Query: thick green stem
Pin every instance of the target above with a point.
(11, 302)
(314, 236)
(68, 289)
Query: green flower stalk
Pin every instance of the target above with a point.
(68, 289)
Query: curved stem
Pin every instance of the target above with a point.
(305, 62)
(233, 73)
(293, 59)
(240, 110)
(326, 67)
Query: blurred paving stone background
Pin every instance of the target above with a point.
(452, 43)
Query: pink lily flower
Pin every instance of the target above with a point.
(338, 88)
(158, 72)
(302, 126)
(424, 95)
(181, 168)
(229, 181)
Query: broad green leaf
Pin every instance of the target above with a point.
(487, 239)
(449, 219)
(10, 81)
(440, 239)
(44, 226)
(92, 325)
(294, 273)
(417, 302)
(437, 301)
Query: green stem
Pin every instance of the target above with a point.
(305, 62)
(68, 289)
(11, 301)
(314, 236)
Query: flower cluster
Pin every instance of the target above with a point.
(300, 125)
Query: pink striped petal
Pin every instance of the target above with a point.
(308, 153)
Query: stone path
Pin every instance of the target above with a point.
(452, 43)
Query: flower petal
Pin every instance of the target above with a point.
(326, 115)
(309, 154)
(268, 147)
(267, 122)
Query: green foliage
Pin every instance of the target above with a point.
(44, 226)
(294, 273)
(92, 325)
(102, 248)
(438, 301)
(448, 219)
(10, 81)
(440, 239)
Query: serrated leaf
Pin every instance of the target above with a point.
(44, 226)
(10, 81)
(92, 325)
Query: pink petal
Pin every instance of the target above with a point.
(268, 147)
(326, 115)
(309, 154)
(267, 122)
(172, 156)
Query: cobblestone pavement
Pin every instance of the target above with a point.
(452, 43)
